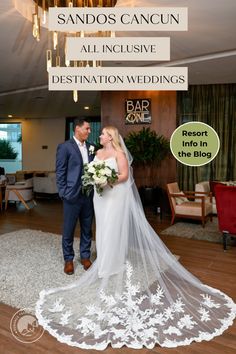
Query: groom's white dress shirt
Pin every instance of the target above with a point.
(83, 150)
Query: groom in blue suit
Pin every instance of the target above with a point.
(70, 158)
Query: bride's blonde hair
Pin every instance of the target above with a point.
(114, 134)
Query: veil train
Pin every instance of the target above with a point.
(143, 297)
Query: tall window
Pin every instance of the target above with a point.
(10, 147)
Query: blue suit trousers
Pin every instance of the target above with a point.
(82, 210)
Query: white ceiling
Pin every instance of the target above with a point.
(208, 48)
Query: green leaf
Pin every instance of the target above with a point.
(7, 152)
(146, 146)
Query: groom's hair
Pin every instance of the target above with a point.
(79, 121)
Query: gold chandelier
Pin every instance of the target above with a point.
(55, 54)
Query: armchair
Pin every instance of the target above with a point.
(205, 187)
(20, 191)
(45, 182)
(199, 207)
(226, 210)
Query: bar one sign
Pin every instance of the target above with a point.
(138, 111)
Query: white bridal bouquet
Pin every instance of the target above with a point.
(98, 174)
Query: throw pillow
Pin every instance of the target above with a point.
(180, 200)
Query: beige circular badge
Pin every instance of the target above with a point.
(25, 327)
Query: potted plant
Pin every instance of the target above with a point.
(7, 151)
(148, 150)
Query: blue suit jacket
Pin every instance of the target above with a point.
(69, 169)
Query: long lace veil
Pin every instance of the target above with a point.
(151, 299)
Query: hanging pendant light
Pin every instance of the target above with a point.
(57, 42)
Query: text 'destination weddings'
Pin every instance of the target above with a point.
(121, 79)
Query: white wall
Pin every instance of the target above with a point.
(35, 134)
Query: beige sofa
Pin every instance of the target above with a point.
(205, 187)
(45, 182)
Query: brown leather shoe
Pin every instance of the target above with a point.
(86, 263)
(69, 267)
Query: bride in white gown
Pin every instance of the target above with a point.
(136, 293)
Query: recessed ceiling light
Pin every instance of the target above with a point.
(86, 107)
(10, 115)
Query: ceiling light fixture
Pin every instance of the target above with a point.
(56, 53)
(86, 107)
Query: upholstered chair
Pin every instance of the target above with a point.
(205, 187)
(45, 182)
(188, 205)
(20, 192)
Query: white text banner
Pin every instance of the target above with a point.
(118, 19)
(125, 48)
(118, 79)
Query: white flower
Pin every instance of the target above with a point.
(100, 180)
(209, 302)
(64, 320)
(91, 150)
(97, 174)
(109, 300)
(102, 172)
(172, 330)
(178, 306)
(159, 319)
(57, 306)
(107, 171)
(91, 169)
(156, 298)
(169, 313)
(205, 314)
(187, 322)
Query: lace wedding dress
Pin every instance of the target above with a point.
(136, 293)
